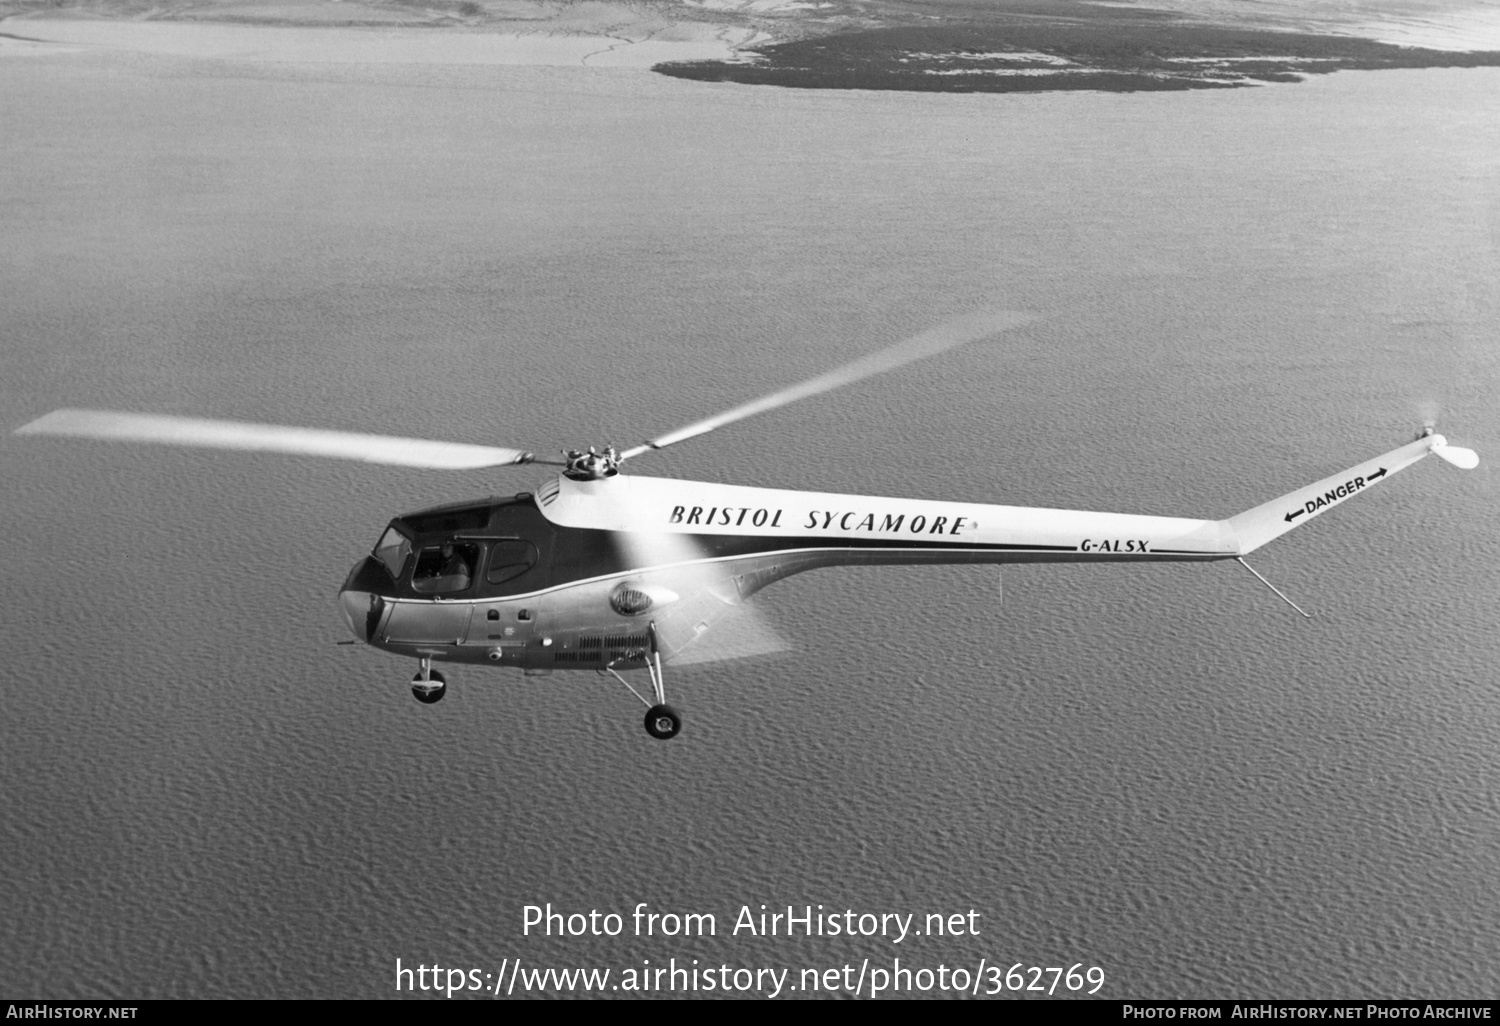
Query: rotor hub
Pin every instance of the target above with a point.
(592, 465)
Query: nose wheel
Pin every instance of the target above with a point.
(428, 686)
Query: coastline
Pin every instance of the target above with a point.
(1011, 46)
(364, 44)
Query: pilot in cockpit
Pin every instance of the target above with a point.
(454, 565)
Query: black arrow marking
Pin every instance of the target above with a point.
(1293, 516)
(1378, 473)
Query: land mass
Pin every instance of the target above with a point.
(1070, 46)
(923, 45)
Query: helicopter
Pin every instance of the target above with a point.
(602, 571)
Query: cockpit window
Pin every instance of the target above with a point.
(473, 518)
(445, 568)
(510, 559)
(392, 550)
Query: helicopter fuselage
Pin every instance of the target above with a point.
(581, 574)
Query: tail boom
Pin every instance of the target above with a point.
(1271, 520)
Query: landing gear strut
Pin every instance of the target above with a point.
(428, 686)
(662, 721)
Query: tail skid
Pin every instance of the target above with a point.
(1279, 593)
(1271, 520)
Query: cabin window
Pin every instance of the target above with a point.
(445, 568)
(472, 519)
(392, 550)
(510, 559)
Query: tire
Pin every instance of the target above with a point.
(429, 692)
(663, 722)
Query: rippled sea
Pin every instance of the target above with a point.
(1163, 772)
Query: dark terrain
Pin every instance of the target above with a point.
(1036, 47)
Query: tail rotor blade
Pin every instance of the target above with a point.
(228, 434)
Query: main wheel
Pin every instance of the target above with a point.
(663, 722)
(429, 691)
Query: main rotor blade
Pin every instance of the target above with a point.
(229, 434)
(931, 342)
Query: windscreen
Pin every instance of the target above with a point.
(392, 550)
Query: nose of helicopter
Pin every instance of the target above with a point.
(362, 606)
(358, 607)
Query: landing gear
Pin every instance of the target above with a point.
(662, 721)
(428, 686)
(431, 690)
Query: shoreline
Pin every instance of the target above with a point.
(1015, 46)
(360, 44)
